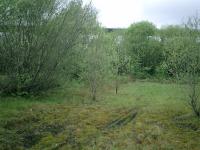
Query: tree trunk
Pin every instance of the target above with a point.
(116, 86)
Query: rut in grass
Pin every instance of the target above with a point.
(122, 120)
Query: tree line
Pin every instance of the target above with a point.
(172, 52)
(44, 44)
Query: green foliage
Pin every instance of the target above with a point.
(144, 46)
(182, 57)
(38, 40)
(175, 43)
(96, 63)
(192, 70)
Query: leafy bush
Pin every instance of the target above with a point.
(37, 42)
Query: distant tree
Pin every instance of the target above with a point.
(175, 41)
(144, 47)
(172, 31)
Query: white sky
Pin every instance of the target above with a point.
(122, 13)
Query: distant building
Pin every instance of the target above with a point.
(113, 29)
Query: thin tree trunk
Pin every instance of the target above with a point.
(116, 86)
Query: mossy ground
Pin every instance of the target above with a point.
(68, 120)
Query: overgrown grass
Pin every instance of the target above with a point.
(67, 119)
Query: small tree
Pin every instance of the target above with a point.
(194, 101)
(96, 62)
(120, 59)
(193, 63)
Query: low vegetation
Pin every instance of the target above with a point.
(144, 115)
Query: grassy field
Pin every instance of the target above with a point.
(143, 115)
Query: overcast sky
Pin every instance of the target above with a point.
(122, 13)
